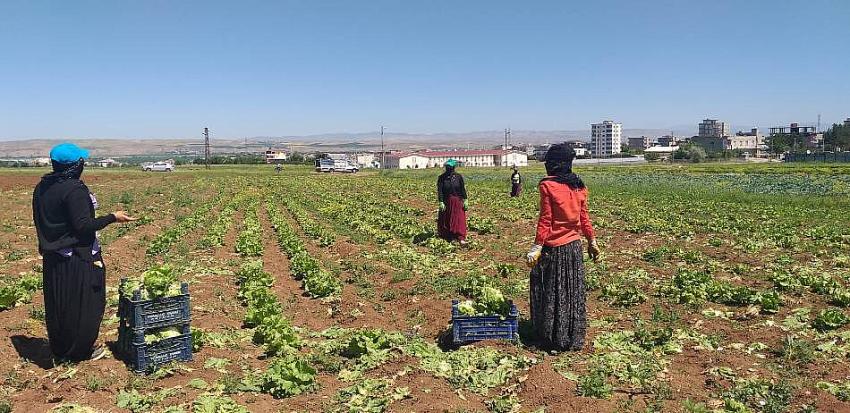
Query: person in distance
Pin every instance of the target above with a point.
(516, 183)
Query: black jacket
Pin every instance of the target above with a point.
(64, 217)
(450, 184)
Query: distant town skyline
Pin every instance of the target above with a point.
(163, 69)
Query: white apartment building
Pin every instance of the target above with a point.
(606, 138)
(713, 128)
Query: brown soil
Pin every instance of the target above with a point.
(32, 384)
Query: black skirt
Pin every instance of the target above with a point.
(558, 311)
(74, 301)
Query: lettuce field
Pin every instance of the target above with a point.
(721, 288)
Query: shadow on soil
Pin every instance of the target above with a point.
(34, 349)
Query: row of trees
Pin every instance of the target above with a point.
(250, 159)
(836, 138)
(241, 159)
(696, 154)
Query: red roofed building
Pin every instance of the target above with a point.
(475, 158)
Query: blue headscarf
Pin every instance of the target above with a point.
(68, 161)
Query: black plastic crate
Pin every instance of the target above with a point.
(143, 357)
(466, 329)
(141, 314)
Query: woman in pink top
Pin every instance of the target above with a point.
(557, 277)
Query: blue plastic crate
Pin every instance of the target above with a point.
(143, 357)
(466, 329)
(141, 314)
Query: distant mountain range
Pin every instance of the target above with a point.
(370, 141)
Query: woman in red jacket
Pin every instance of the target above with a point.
(557, 278)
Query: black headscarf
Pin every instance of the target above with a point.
(450, 170)
(65, 171)
(559, 166)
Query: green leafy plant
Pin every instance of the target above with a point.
(830, 319)
(623, 295)
(594, 384)
(249, 242)
(287, 376)
(211, 403)
(157, 282)
(840, 390)
(487, 301)
(369, 396)
(19, 292)
(161, 334)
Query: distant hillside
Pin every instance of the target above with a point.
(313, 143)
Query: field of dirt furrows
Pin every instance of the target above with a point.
(350, 309)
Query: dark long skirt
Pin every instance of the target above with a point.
(451, 223)
(516, 189)
(74, 301)
(558, 311)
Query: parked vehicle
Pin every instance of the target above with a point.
(336, 165)
(158, 167)
(345, 166)
(324, 165)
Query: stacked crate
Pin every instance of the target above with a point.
(139, 317)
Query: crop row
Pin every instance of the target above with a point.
(216, 232)
(380, 207)
(288, 374)
(163, 242)
(381, 220)
(796, 279)
(313, 229)
(316, 281)
(398, 220)
(249, 242)
(336, 210)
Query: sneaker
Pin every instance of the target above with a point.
(98, 353)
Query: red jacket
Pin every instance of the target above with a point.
(563, 215)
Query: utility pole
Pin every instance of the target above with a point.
(383, 166)
(822, 140)
(507, 138)
(207, 147)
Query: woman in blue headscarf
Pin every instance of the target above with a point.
(74, 273)
(451, 192)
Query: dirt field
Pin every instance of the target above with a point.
(710, 295)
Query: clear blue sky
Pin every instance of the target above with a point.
(166, 68)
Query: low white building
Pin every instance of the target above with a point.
(276, 156)
(663, 152)
(579, 146)
(476, 158)
(366, 159)
(108, 163)
(41, 162)
(405, 160)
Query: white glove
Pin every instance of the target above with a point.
(533, 254)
